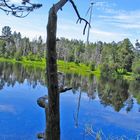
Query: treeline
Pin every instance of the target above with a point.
(13, 45)
(120, 57)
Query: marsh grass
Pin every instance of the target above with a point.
(66, 67)
(100, 135)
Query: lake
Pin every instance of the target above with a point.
(95, 107)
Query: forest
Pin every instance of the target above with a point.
(121, 57)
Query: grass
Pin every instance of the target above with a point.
(81, 69)
(66, 67)
(100, 135)
(130, 76)
(40, 64)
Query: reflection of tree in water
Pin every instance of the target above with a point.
(68, 80)
(134, 88)
(12, 73)
(129, 104)
(113, 92)
(76, 114)
(86, 84)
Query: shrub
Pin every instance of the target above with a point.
(136, 67)
(92, 67)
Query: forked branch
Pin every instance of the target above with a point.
(18, 10)
(61, 3)
(80, 19)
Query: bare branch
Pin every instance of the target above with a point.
(64, 89)
(21, 10)
(80, 19)
(61, 3)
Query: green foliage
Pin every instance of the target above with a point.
(92, 67)
(2, 43)
(6, 31)
(105, 70)
(2, 47)
(134, 88)
(18, 56)
(67, 67)
(113, 91)
(71, 67)
(125, 54)
(136, 67)
(121, 71)
(31, 56)
(113, 58)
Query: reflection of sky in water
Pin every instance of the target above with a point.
(7, 108)
(21, 118)
(99, 117)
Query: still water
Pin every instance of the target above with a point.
(102, 107)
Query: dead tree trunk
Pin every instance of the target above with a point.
(53, 117)
(53, 114)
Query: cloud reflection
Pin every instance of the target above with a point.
(7, 108)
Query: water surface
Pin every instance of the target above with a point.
(108, 107)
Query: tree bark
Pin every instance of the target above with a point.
(52, 110)
(53, 115)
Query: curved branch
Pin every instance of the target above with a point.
(80, 19)
(61, 3)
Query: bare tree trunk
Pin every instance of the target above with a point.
(52, 109)
(53, 115)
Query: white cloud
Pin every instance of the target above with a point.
(109, 12)
(128, 26)
(7, 108)
(105, 6)
(122, 20)
(108, 36)
(71, 30)
(32, 34)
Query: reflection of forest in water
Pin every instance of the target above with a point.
(12, 73)
(117, 93)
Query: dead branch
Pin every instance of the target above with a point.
(42, 100)
(20, 11)
(61, 3)
(80, 19)
(64, 89)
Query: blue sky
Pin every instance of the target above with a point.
(111, 20)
